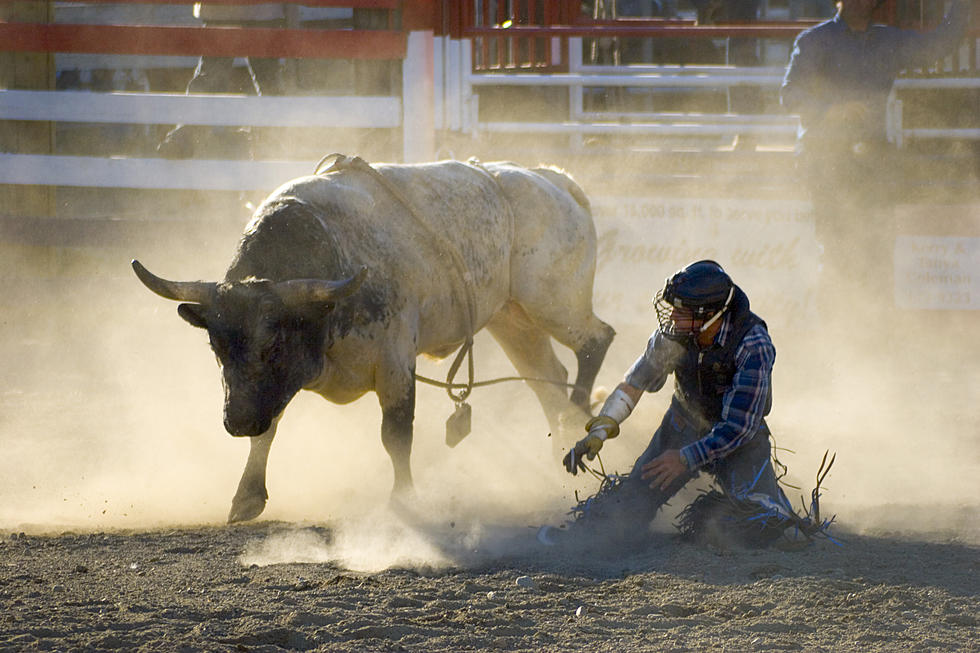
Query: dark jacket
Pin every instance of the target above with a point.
(703, 376)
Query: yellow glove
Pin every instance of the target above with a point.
(600, 429)
(605, 423)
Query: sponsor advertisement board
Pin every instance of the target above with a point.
(768, 247)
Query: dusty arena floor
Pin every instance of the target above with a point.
(221, 589)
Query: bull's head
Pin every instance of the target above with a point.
(269, 337)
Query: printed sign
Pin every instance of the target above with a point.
(767, 246)
(937, 272)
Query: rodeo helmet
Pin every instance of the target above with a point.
(703, 288)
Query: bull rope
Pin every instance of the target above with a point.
(344, 162)
(480, 384)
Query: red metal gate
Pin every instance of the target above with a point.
(531, 35)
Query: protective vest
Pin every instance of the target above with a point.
(704, 375)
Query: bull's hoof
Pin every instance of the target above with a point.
(246, 509)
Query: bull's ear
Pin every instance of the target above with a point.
(194, 314)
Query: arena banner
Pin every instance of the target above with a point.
(937, 272)
(768, 246)
(937, 257)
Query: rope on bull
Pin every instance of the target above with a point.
(480, 384)
(458, 424)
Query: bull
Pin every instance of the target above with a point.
(343, 278)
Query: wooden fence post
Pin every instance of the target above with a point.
(27, 71)
(418, 134)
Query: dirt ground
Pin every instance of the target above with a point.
(225, 589)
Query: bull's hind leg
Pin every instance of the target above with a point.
(590, 347)
(581, 331)
(529, 348)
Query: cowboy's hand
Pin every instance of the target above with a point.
(600, 429)
(664, 469)
(588, 446)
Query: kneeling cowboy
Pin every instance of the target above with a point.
(721, 357)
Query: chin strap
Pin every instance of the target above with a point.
(714, 318)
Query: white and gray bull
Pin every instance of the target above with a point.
(341, 280)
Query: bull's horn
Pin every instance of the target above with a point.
(299, 291)
(196, 292)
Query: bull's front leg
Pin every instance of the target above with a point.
(396, 394)
(249, 501)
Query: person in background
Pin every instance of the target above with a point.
(721, 357)
(810, 9)
(838, 80)
(741, 52)
(216, 74)
(260, 76)
(841, 72)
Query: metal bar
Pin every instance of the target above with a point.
(937, 82)
(547, 18)
(755, 30)
(208, 41)
(467, 97)
(454, 88)
(440, 78)
(638, 81)
(693, 118)
(945, 133)
(636, 22)
(680, 69)
(654, 129)
(483, 54)
(418, 133)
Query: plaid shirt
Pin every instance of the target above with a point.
(743, 405)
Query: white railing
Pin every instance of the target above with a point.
(215, 110)
(124, 172)
(439, 93)
(458, 100)
(898, 134)
(412, 112)
(170, 109)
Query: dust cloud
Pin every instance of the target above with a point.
(110, 413)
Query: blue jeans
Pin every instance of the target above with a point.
(747, 474)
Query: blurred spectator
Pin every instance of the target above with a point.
(260, 76)
(217, 74)
(639, 50)
(838, 80)
(810, 9)
(741, 52)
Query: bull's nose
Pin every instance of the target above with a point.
(239, 427)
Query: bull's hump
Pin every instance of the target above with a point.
(334, 191)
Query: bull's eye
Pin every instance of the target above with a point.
(272, 342)
(229, 346)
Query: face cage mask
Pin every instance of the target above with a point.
(668, 328)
